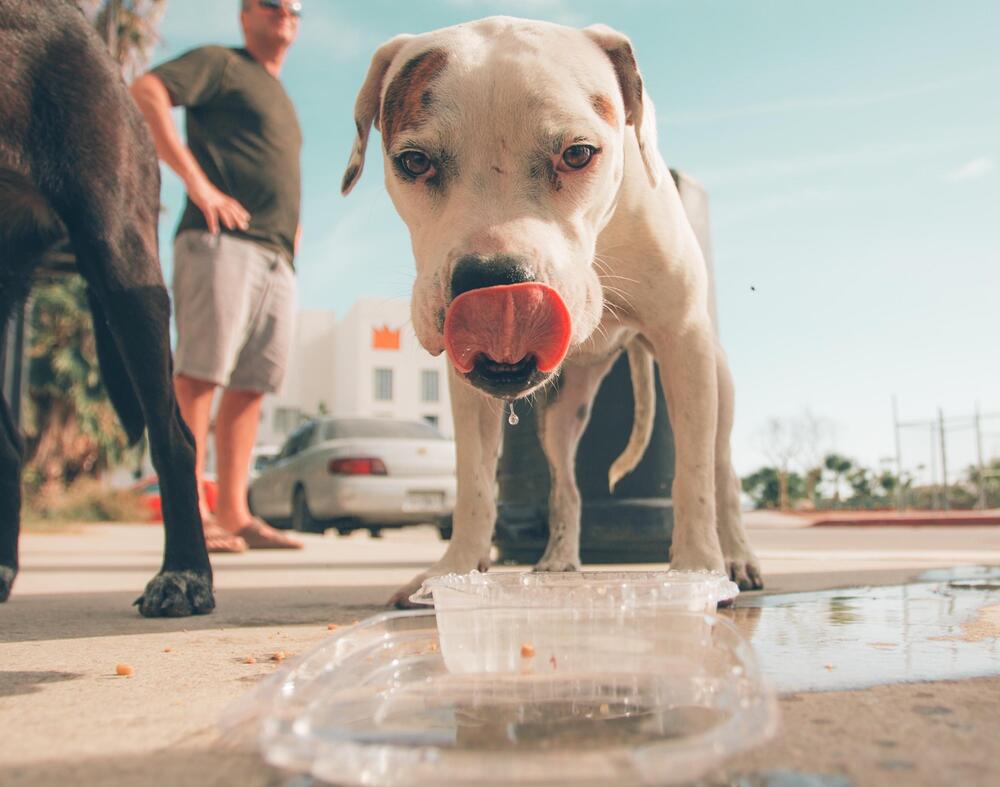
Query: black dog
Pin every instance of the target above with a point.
(76, 159)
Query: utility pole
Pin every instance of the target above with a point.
(981, 502)
(944, 458)
(899, 455)
(935, 489)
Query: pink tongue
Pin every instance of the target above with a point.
(507, 323)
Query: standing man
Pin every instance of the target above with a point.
(233, 284)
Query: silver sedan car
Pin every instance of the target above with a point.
(358, 474)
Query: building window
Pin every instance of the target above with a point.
(383, 385)
(431, 419)
(429, 386)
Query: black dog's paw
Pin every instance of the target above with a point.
(177, 594)
(7, 575)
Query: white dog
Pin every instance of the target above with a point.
(548, 237)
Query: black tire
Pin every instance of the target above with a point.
(375, 532)
(445, 525)
(302, 518)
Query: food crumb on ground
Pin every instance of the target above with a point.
(168, 650)
(249, 660)
(527, 651)
(279, 656)
(829, 667)
(332, 626)
(553, 662)
(125, 670)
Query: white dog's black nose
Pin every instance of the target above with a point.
(473, 273)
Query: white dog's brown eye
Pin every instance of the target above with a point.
(414, 163)
(578, 156)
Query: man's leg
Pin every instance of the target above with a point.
(194, 398)
(235, 433)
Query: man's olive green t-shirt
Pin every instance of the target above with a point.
(242, 129)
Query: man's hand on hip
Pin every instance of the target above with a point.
(218, 208)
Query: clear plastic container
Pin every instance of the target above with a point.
(394, 702)
(694, 591)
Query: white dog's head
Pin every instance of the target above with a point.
(504, 146)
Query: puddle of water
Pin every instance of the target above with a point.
(944, 628)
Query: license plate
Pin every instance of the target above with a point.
(423, 501)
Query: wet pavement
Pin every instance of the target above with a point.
(946, 626)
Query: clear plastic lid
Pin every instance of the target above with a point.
(410, 699)
(695, 591)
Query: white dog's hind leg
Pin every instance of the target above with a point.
(561, 425)
(686, 355)
(477, 439)
(741, 563)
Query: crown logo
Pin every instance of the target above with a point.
(385, 338)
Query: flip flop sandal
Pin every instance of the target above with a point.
(220, 540)
(259, 535)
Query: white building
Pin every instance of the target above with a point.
(368, 364)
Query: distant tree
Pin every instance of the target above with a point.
(781, 442)
(990, 480)
(764, 487)
(71, 428)
(130, 29)
(860, 479)
(839, 466)
(815, 435)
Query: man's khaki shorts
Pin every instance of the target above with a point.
(234, 307)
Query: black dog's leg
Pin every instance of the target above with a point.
(138, 318)
(131, 312)
(10, 488)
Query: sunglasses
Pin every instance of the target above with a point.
(294, 8)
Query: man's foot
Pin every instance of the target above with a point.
(220, 540)
(259, 535)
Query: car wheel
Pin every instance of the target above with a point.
(302, 518)
(445, 525)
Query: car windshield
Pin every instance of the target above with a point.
(377, 427)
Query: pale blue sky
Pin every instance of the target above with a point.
(851, 151)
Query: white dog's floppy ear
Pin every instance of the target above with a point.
(366, 108)
(639, 111)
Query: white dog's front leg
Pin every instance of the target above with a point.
(741, 562)
(689, 376)
(477, 440)
(562, 423)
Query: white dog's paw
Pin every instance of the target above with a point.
(401, 598)
(557, 562)
(744, 569)
(688, 559)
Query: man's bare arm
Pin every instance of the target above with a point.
(153, 100)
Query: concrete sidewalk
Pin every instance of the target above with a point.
(67, 718)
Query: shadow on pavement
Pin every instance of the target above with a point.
(28, 682)
(40, 617)
(176, 765)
